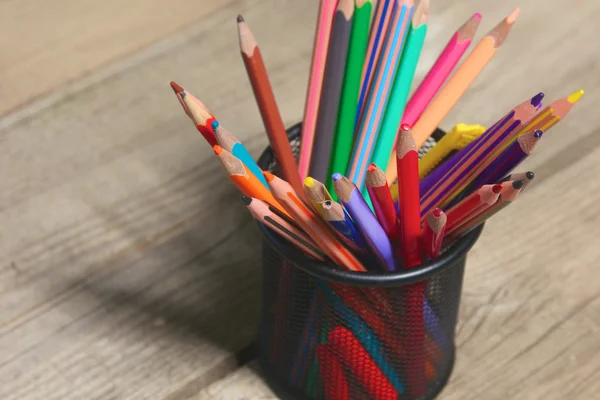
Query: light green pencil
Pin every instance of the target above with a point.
(344, 133)
(402, 83)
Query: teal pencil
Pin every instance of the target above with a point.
(401, 88)
(230, 143)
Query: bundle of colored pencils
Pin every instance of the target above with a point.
(361, 135)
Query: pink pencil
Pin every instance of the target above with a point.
(442, 68)
(313, 96)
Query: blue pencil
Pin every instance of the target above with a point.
(230, 143)
(341, 222)
(378, 29)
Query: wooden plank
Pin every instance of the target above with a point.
(45, 46)
(116, 273)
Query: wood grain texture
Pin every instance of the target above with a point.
(48, 44)
(117, 275)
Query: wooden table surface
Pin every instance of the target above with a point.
(130, 270)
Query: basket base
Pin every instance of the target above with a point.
(285, 392)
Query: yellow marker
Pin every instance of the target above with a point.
(457, 139)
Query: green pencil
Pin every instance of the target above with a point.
(402, 83)
(344, 133)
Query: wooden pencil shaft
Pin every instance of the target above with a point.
(330, 94)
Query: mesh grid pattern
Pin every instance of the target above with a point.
(326, 340)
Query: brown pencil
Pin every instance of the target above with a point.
(268, 106)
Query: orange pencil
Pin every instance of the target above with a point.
(458, 84)
(311, 224)
(267, 105)
(244, 180)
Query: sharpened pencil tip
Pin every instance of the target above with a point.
(176, 88)
(240, 18)
(372, 167)
(477, 15)
(512, 17)
(497, 188)
(217, 149)
(246, 200)
(537, 99)
(518, 184)
(530, 175)
(574, 97)
(538, 134)
(268, 176)
(309, 182)
(437, 212)
(336, 177)
(405, 127)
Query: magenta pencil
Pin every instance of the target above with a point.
(437, 75)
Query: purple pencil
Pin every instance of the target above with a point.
(509, 159)
(357, 207)
(449, 179)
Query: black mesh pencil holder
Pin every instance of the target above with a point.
(331, 334)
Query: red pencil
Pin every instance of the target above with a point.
(433, 232)
(383, 204)
(332, 374)
(472, 205)
(358, 361)
(409, 222)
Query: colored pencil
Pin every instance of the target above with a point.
(367, 223)
(341, 223)
(441, 69)
(198, 113)
(178, 90)
(377, 99)
(527, 177)
(449, 179)
(460, 81)
(554, 113)
(332, 87)
(379, 27)
(409, 220)
(316, 193)
(433, 232)
(315, 83)
(333, 375)
(550, 116)
(245, 180)
(409, 223)
(260, 210)
(230, 143)
(344, 131)
(311, 224)
(505, 162)
(401, 86)
(362, 366)
(509, 193)
(267, 105)
(472, 205)
(381, 198)
(457, 139)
